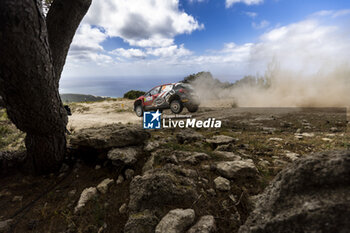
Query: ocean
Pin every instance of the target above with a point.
(112, 86)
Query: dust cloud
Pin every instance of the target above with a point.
(278, 88)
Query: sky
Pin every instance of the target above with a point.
(229, 38)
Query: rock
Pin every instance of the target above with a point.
(85, 196)
(327, 140)
(176, 221)
(264, 163)
(311, 195)
(225, 147)
(220, 140)
(108, 136)
(123, 208)
(160, 188)
(188, 136)
(149, 164)
(141, 222)
(227, 155)
(104, 185)
(237, 169)
(127, 155)
(120, 179)
(17, 198)
(129, 173)
(194, 158)
(292, 156)
(151, 145)
(222, 184)
(97, 167)
(211, 192)
(206, 224)
(72, 193)
(5, 225)
(276, 139)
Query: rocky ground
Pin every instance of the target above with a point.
(120, 178)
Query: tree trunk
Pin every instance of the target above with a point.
(29, 81)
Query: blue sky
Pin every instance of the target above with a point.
(230, 38)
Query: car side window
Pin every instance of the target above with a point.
(155, 90)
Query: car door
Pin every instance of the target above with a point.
(151, 96)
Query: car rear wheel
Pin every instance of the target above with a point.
(139, 110)
(192, 108)
(176, 106)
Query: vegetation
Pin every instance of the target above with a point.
(133, 94)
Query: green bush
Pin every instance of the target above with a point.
(133, 94)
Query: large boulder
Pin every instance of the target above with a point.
(108, 136)
(126, 155)
(176, 221)
(161, 188)
(312, 195)
(237, 169)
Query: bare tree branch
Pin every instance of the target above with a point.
(63, 20)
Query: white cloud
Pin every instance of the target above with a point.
(332, 13)
(129, 53)
(230, 3)
(261, 25)
(88, 38)
(251, 14)
(309, 45)
(145, 23)
(170, 51)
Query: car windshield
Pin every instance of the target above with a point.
(154, 91)
(166, 88)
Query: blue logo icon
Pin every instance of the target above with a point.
(151, 120)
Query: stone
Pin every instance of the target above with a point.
(220, 140)
(222, 184)
(188, 136)
(141, 222)
(97, 167)
(109, 136)
(85, 196)
(310, 195)
(5, 225)
(120, 179)
(276, 139)
(17, 198)
(72, 193)
(237, 169)
(194, 158)
(129, 173)
(206, 224)
(104, 185)
(292, 156)
(160, 188)
(176, 221)
(211, 192)
(227, 155)
(327, 140)
(151, 145)
(127, 155)
(123, 208)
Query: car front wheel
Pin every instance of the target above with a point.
(176, 106)
(139, 110)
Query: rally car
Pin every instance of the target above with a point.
(174, 96)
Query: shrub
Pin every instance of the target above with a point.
(133, 94)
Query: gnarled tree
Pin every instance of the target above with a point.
(33, 50)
